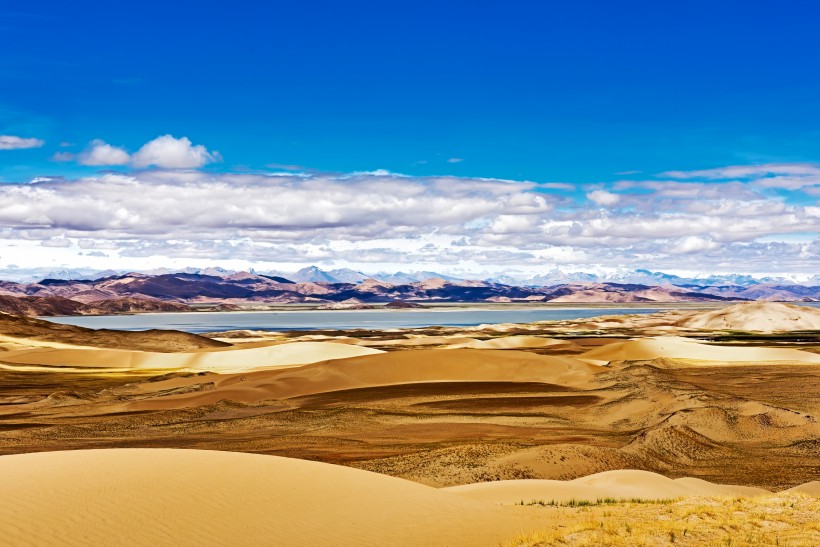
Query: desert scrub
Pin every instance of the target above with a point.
(590, 503)
(779, 519)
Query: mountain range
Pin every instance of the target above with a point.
(225, 290)
(314, 274)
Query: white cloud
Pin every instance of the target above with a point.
(100, 153)
(693, 244)
(557, 186)
(11, 142)
(603, 198)
(788, 182)
(746, 171)
(60, 242)
(172, 153)
(62, 156)
(380, 219)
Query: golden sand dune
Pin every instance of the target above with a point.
(193, 497)
(383, 369)
(621, 484)
(755, 316)
(682, 348)
(233, 359)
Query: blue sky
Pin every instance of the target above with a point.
(599, 96)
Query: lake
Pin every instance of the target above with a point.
(334, 319)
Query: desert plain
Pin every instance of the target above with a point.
(687, 427)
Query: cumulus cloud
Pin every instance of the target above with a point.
(11, 142)
(100, 153)
(172, 153)
(603, 198)
(165, 203)
(693, 244)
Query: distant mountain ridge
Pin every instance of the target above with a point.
(138, 292)
(315, 274)
(135, 292)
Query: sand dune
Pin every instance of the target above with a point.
(811, 488)
(196, 497)
(416, 340)
(406, 367)
(621, 484)
(234, 359)
(755, 316)
(511, 342)
(683, 348)
(192, 497)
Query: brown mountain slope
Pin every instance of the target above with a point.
(615, 292)
(51, 306)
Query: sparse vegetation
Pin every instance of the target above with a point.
(781, 519)
(588, 503)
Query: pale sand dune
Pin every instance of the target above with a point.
(237, 359)
(511, 342)
(385, 369)
(14, 343)
(682, 348)
(621, 484)
(197, 497)
(418, 340)
(811, 488)
(755, 316)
